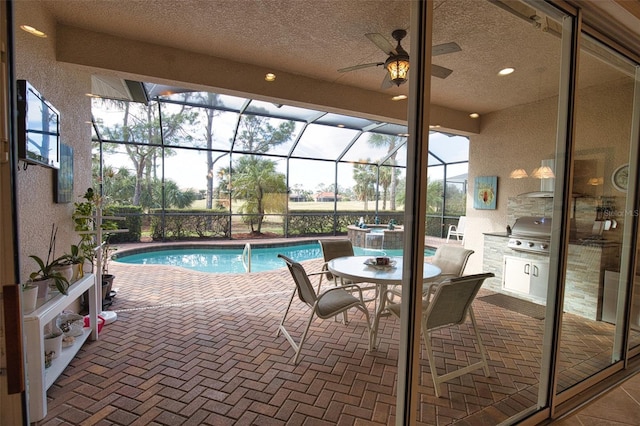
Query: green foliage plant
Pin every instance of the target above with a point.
(47, 269)
(84, 218)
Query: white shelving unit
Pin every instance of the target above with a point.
(40, 379)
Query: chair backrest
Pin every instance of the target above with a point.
(451, 259)
(462, 221)
(452, 300)
(332, 249)
(306, 292)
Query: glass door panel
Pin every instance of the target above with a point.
(518, 135)
(598, 256)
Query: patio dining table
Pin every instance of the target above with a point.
(361, 269)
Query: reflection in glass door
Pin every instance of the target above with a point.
(516, 143)
(598, 254)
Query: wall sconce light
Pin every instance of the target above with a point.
(518, 174)
(595, 181)
(543, 172)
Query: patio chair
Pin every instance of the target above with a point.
(457, 230)
(449, 305)
(332, 249)
(327, 304)
(451, 260)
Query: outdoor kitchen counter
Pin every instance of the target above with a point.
(588, 260)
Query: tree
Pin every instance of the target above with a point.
(387, 176)
(365, 177)
(257, 135)
(261, 186)
(143, 136)
(391, 142)
(434, 196)
(174, 197)
(210, 101)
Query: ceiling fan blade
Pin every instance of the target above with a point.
(357, 67)
(382, 43)
(386, 82)
(440, 72)
(444, 48)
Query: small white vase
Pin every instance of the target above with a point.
(29, 297)
(53, 344)
(43, 287)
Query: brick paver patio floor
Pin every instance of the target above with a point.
(192, 348)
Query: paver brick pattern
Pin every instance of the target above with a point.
(192, 348)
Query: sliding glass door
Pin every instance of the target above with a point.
(600, 248)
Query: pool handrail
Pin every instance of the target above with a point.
(246, 257)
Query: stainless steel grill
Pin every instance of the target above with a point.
(531, 233)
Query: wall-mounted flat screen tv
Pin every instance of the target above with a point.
(38, 128)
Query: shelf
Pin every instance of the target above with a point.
(58, 365)
(39, 378)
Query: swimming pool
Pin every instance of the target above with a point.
(229, 259)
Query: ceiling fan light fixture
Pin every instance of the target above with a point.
(398, 68)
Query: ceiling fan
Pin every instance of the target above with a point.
(397, 64)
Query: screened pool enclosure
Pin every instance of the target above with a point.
(203, 165)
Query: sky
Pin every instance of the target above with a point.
(188, 167)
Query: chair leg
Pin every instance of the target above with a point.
(281, 325)
(304, 336)
(426, 336)
(369, 329)
(483, 355)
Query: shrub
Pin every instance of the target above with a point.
(187, 224)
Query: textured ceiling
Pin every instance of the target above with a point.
(315, 38)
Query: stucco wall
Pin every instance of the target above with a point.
(523, 136)
(66, 88)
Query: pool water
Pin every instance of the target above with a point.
(229, 260)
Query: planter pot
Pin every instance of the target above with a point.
(107, 283)
(43, 287)
(65, 270)
(29, 298)
(78, 271)
(53, 344)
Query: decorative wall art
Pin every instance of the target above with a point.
(485, 192)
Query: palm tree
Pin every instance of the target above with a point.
(365, 178)
(262, 188)
(392, 142)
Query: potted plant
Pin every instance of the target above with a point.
(29, 296)
(76, 260)
(48, 273)
(107, 278)
(85, 219)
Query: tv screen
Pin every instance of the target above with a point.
(38, 128)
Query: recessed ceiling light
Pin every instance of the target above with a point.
(474, 115)
(33, 31)
(434, 126)
(506, 71)
(341, 125)
(399, 98)
(270, 76)
(406, 135)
